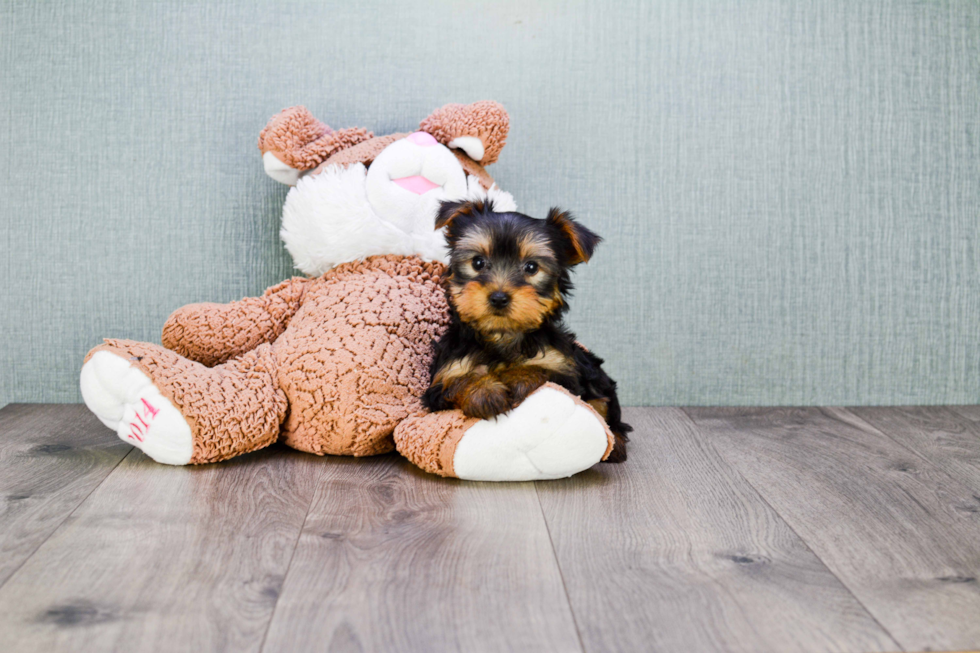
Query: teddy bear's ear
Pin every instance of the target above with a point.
(300, 141)
(580, 242)
(479, 129)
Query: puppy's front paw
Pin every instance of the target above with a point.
(522, 382)
(485, 398)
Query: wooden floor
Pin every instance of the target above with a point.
(729, 529)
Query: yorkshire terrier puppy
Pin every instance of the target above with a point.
(508, 283)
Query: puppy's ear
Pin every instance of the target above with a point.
(580, 242)
(449, 211)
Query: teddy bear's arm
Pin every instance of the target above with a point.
(214, 333)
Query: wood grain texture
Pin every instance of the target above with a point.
(900, 532)
(674, 551)
(51, 458)
(948, 437)
(971, 413)
(744, 530)
(392, 559)
(165, 558)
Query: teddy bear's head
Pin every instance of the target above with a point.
(357, 194)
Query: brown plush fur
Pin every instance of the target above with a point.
(329, 365)
(486, 120)
(298, 139)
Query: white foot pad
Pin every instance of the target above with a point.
(548, 436)
(126, 401)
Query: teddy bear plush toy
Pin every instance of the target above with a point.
(335, 363)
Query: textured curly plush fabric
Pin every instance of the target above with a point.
(296, 137)
(335, 364)
(355, 359)
(366, 152)
(361, 153)
(231, 409)
(486, 120)
(429, 440)
(330, 365)
(213, 333)
(304, 142)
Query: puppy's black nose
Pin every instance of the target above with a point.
(499, 299)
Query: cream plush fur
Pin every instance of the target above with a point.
(328, 220)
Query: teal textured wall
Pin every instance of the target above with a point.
(788, 190)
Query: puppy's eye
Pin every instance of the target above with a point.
(478, 263)
(530, 268)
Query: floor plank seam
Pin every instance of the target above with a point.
(292, 554)
(789, 525)
(67, 517)
(561, 573)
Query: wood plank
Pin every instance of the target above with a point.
(900, 532)
(945, 436)
(392, 559)
(165, 558)
(971, 413)
(674, 551)
(51, 458)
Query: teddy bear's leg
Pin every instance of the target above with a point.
(178, 411)
(552, 434)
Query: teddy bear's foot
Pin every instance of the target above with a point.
(125, 400)
(548, 436)
(553, 434)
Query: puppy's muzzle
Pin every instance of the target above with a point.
(499, 299)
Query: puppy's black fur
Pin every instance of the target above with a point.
(508, 283)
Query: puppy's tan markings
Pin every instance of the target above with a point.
(522, 380)
(503, 339)
(532, 246)
(470, 301)
(551, 360)
(482, 396)
(500, 281)
(526, 308)
(478, 240)
(561, 219)
(525, 311)
(456, 369)
(601, 406)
